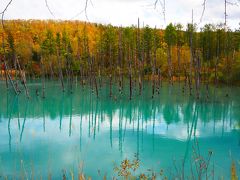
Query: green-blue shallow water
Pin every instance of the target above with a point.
(65, 132)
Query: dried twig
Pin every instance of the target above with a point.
(236, 3)
(232, 3)
(84, 10)
(5, 9)
(203, 11)
(163, 6)
(3, 13)
(50, 11)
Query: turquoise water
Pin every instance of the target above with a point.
(67, 132)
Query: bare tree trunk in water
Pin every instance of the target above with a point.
(191, 58)
(130, 81)
(96, 86)
(100, 77)
(142, 65)
(139, 57)
(16, 73)
(110, 77)
(134, 55)
(197, 76)
(207, 83)
(94, 76)
(60, 70)
(120, 61)
(51, 70)
(9, 77)
(169, 65)
(81, 75)
(23, 78)
(154, 65)
(119, 81)
(186, 79)
(130, 73)
(179, 58)
(216, 64)
(190, 73)
(122, 78)
(159, 80)
(43, 80)
(110, 85)
(215, 72)
(101, 67)
(153, 83)
(71, 78)
(5, 75)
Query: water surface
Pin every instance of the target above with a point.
(68, 132)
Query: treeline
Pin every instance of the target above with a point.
(59, 49)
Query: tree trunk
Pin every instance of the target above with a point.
(23, 78)
(169, 64)
(43, 80)
(179, 58)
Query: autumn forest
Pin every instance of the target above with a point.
(59, 49)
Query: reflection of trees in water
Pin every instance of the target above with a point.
(120, 125)
(95, 120)
(84, 103)
(12, 108)
(43, 115)
(70, 117)
(171, 108)
(171, 104)
(192, 130)
(24, 120)
(61, 109)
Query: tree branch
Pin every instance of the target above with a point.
(163, 6)
(49, 10)
(203, 11)
(232, 3)
(5, 9)
(236, 3)
(3, 13)
(84, 10)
